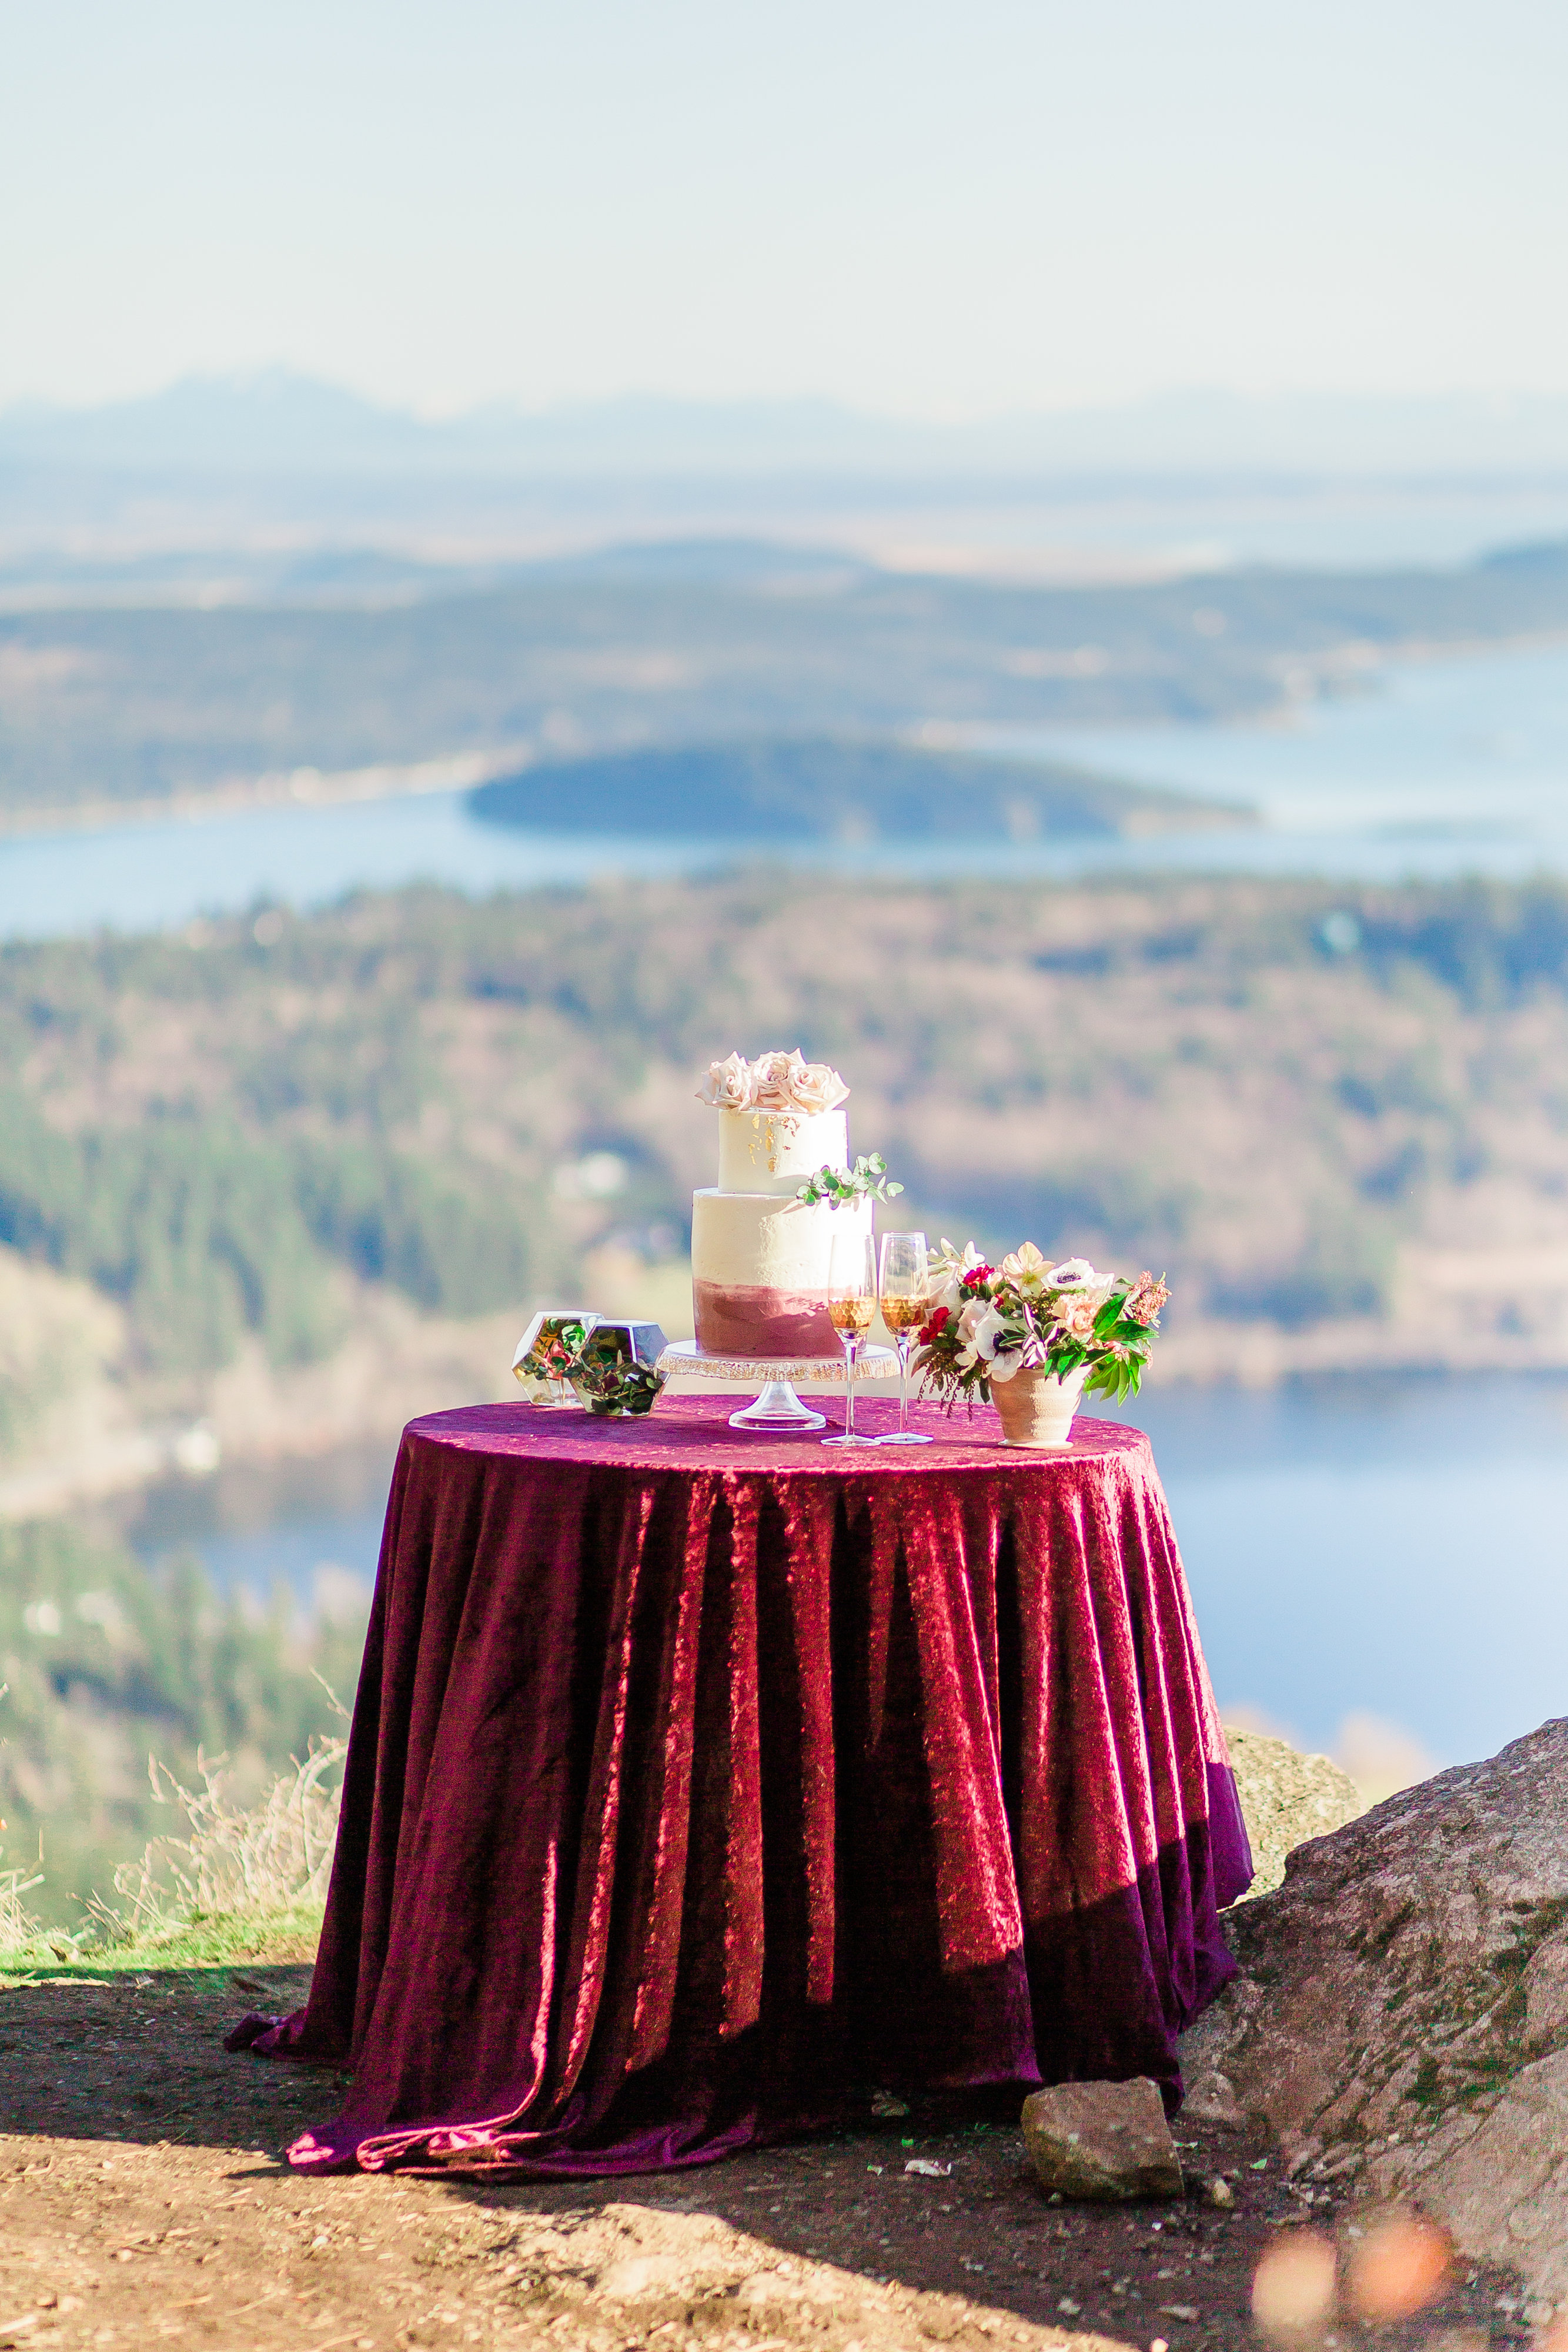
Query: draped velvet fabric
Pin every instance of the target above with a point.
(700, 1782)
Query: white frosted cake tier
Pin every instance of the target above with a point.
(775, 1151)
(760, 1269)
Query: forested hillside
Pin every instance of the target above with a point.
(135, 704)
(232, 1163)
(1270, 1087)
(795, 788)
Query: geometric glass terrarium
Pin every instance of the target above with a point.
(616, 1371)
(545, 1355)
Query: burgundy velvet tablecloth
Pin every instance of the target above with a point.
(699, 1782)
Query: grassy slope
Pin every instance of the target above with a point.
(212, 1946)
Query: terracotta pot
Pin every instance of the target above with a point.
(1037, 1409)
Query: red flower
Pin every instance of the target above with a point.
(940, 1319)
(974, 1276)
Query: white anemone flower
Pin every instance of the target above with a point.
(1004, 1366)
(1072, 1274)
(986, 1335)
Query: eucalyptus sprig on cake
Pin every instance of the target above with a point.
(867, 1180)
(988, 1323)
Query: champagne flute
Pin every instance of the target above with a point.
(851, 1303)
(905, 1298)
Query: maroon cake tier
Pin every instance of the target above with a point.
(752, 1320)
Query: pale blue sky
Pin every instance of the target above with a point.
(934, 211)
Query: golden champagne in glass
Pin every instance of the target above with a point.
(851, 1304)
(852, 1315)
(905, 1289)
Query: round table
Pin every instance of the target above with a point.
(701, 1783)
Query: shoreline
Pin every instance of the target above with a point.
(278, 788)
(309, 787)
(398, 1367)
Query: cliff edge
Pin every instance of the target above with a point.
(1401, 2017)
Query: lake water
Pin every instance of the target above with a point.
(1439, 768)
(1443, 767)
(1391, 1546)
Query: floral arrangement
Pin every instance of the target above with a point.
(783, 1084)
(867, 1180)
(988, 1323)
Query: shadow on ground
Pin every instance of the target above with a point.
(142, 2187)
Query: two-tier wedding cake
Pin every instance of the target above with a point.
(760, 1257)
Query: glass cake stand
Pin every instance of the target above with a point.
(777, 1410)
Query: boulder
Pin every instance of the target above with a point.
(1402, 2013)
(1286, 1798)
(1108, 2141)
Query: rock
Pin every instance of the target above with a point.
(638, 2274)
(1402, 2014)
(1286, 1798)
(1211, 2098)
(1108, 2141)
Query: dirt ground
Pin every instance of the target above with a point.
(144, 2198)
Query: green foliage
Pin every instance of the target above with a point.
(1127, 1338)
(1488, 942)
(227, 1135)
(1345, 1268)
(867, 1180)
(1148, 1211)
(206, 1230)
(193, 1226)
(393, 1220)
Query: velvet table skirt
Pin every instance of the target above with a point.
(700, 1783)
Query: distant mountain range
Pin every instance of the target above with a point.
(277, 422)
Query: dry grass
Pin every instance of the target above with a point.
(269, 1858)
(17, 1925)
